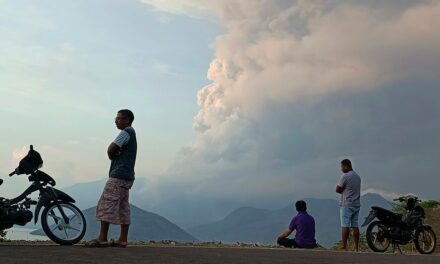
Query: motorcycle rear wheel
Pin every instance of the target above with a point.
(376, 237)
(425, 240)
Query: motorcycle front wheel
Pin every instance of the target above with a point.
(425, 240)
(377, 238)
(60, 231)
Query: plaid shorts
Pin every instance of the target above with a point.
(113, 206)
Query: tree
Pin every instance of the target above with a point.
(430, 204)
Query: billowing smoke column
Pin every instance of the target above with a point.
(285, 51)
(298, 85)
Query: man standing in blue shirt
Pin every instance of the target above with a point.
(113, 206)
(349, 187)
(304, 225)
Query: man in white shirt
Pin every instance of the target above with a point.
(349, 187)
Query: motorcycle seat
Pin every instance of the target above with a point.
(387, 212)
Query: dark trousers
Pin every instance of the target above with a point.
(287, 242)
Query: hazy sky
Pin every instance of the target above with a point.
(245, 99)
(68, 66)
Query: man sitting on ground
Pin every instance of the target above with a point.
(304, 225)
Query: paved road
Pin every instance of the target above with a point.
(142, 254)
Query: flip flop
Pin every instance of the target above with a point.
(96, 244)
(113, 243)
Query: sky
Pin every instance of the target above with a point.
(67, 67)
(251, 100)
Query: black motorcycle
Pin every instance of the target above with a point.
(61, 220)
(400, 229)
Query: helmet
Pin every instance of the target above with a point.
(30, 163)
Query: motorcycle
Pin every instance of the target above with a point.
(62, 221)
(400, 229)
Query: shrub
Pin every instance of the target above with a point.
(2, 235)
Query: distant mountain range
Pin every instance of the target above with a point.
(220, 220)
(251, 225)
(145, 226)
(87, 194)
(180, 211)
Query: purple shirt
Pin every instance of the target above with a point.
(304, 224)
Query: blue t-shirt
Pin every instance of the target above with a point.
(304, 224)
(122, 165)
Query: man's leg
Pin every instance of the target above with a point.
(286, 242)
(123, 237)
(345, 235)
(103, 212)
(355, 226)
(356, 238)
(124, 212)
(345, 224)
(102, 240)
(103, 232)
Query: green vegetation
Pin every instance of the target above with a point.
(427, 205)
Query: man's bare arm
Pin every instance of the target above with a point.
(113, 151)
(285, 234)
(339, 189)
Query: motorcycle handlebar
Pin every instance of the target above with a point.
(12, 173)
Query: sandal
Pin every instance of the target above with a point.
(114, 243)
(95, 243)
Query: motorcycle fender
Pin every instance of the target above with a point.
(62, 196)
(369, 218)
(45, 199)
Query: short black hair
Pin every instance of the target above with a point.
(301, 206)
(128, 114)
(346, 162)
